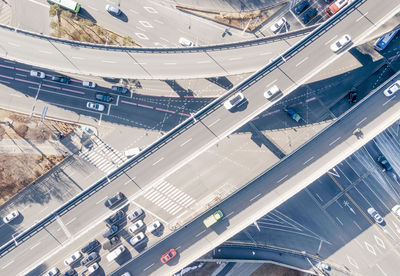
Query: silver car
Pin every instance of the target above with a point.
(135, 215)
(113, 10)
(95, 106)
(392, 89)
(373, 213)
(73, 258)
(137, 239)
(233, 101)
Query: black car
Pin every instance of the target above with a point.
(90, 259)
(111, 232)
(112, 201)
(301, 7)
(103, 97)
(70, 272)
(309, 15)
(119, 89)
(91, 246)
(62, 79)
(384, 163)
(352, 96)
(115, 218)
(111, 243)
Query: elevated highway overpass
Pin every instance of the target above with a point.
(143, 63)
(212, 124)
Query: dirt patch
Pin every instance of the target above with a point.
(249, 20)
(18, 170)
(68, 25)
(275, 270)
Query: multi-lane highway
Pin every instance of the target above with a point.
(145, 63)
(272, 188)
(208, 130)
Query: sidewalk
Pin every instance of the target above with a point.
(5, 12)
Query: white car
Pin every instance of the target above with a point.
(136, 239)
(186, 42)
(154, 226)
(93, 268)
(113, 10)
(377, 217)
(11, 216)
(392, 89)
(52, 272)
(115, 253)
(38, 74)
(396, 210)
(89, 84)
(271, 92)
(136, 226)
(278, 25)
(135, 215)
(340, 43)
(95, 106)
(73, 258)
(233, 101)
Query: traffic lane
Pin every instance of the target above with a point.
(324, 193)
(106, 62)
(39, 246)
(170, 157)
(378, 188)
(347, 167)
(231, 59)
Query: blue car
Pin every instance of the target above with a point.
(301, 7)
(309, 15)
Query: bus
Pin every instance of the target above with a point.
(384, 41)
(335, 7)
(67, 4)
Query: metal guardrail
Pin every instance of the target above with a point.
(177, 130)
(216, 47)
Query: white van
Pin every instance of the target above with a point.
(115, 253)
(132, 152)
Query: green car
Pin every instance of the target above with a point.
(213, 218)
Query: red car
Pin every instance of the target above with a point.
(168, 256)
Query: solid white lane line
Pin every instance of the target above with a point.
(169, 63)
(198, 234)
(148, 267)
(70, 221)
(337, 139)
(108, 61)
(266, 53)
(77, 57)
(101, 200)
(158, 161)
(35, 245)
(339, 221)
(282, 178)
(236, 58)
(203, 61)
(210, 125)
(7, 264)
(271, 83)
(388, 100)
(255, 197)
(184, 143)
(330, 40)
(360, 122)
(311, 158)
(302, 61)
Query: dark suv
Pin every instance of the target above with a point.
(112, 201)
(301, 7)
(62, 79)
(119, 89)
(111, 232)
(309, 15)
(90, 259)
(115, 218)
(90, 247)
(103, 97)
